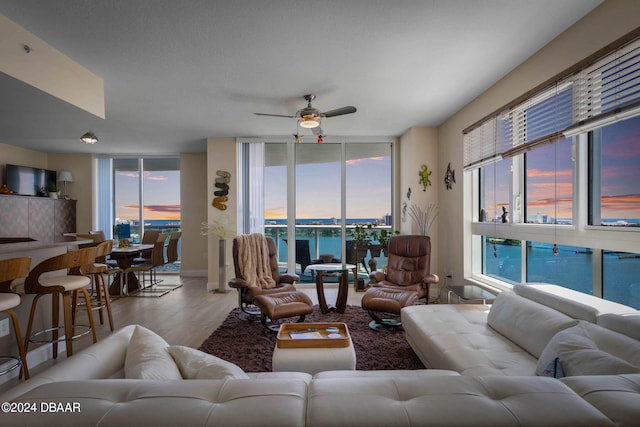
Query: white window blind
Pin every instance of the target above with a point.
(480, 145)
(610, 83)
(604, 91)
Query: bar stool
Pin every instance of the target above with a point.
(10, 270)
(97, 271)
(66, 286)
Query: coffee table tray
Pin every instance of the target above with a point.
(319, 339)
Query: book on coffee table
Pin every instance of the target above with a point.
(313, 335)
(305, 334)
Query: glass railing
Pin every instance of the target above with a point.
(323, 240)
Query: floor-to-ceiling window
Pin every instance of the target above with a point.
(146, 195)
(571, 159)
(333, 184)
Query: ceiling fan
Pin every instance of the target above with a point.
(310, 117)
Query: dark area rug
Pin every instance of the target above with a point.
(243, 342)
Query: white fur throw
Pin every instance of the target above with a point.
(253, 260)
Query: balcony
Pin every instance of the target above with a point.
(323, 240)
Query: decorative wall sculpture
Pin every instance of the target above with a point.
(449, 177)
(222, 182)
(424, 174)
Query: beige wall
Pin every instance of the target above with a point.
(605, 24)
(193, 208)
(221, 155)
(81, 189)
(10, 154)
(419, 146)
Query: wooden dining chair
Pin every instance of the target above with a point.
(10, 270)
(100, 272)
(65, 283)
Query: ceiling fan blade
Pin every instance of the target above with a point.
(340, 111)
(274, 115)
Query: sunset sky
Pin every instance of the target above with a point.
(549, 177)
(318, 189)
(162, 195)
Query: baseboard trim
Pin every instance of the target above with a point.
(36, 357)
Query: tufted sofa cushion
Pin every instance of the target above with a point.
(457, 337)
(168, 403)
(618, 397)
(448, 401)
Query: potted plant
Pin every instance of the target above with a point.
(53, 191)
(363, 234)
(383, 237)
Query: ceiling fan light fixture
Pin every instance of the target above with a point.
(89, 138)
(309, 123)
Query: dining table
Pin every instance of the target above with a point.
(124, 257)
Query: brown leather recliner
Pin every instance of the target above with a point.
(406, 280)
(248, 291)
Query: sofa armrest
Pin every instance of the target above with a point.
(104, 359)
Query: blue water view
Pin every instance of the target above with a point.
(572, 268)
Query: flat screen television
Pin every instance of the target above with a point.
(29, 181)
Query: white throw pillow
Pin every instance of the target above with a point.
(148, 358)
(588, 349)
(196, 364)
(528, 324)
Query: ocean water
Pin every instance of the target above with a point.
(571, 268)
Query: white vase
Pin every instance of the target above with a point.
(53, 195)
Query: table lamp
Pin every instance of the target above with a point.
(65, 176)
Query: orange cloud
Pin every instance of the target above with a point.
(561, 174)
(170, 212)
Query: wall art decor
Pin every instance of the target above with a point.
(449, 177)
(424, 174)
(221, 195)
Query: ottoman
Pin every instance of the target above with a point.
(281, 305)
(386, 300)
(313, 358)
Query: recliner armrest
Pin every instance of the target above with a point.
(289, 278)
(378, 276)
(430, 278)
(238, 283)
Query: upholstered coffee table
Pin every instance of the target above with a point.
(313, 355)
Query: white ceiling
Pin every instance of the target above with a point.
(177, 72)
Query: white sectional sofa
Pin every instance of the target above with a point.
(531, 331)
(98, 383)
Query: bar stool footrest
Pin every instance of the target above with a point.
(44, 331)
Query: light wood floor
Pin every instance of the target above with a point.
(185, 316)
